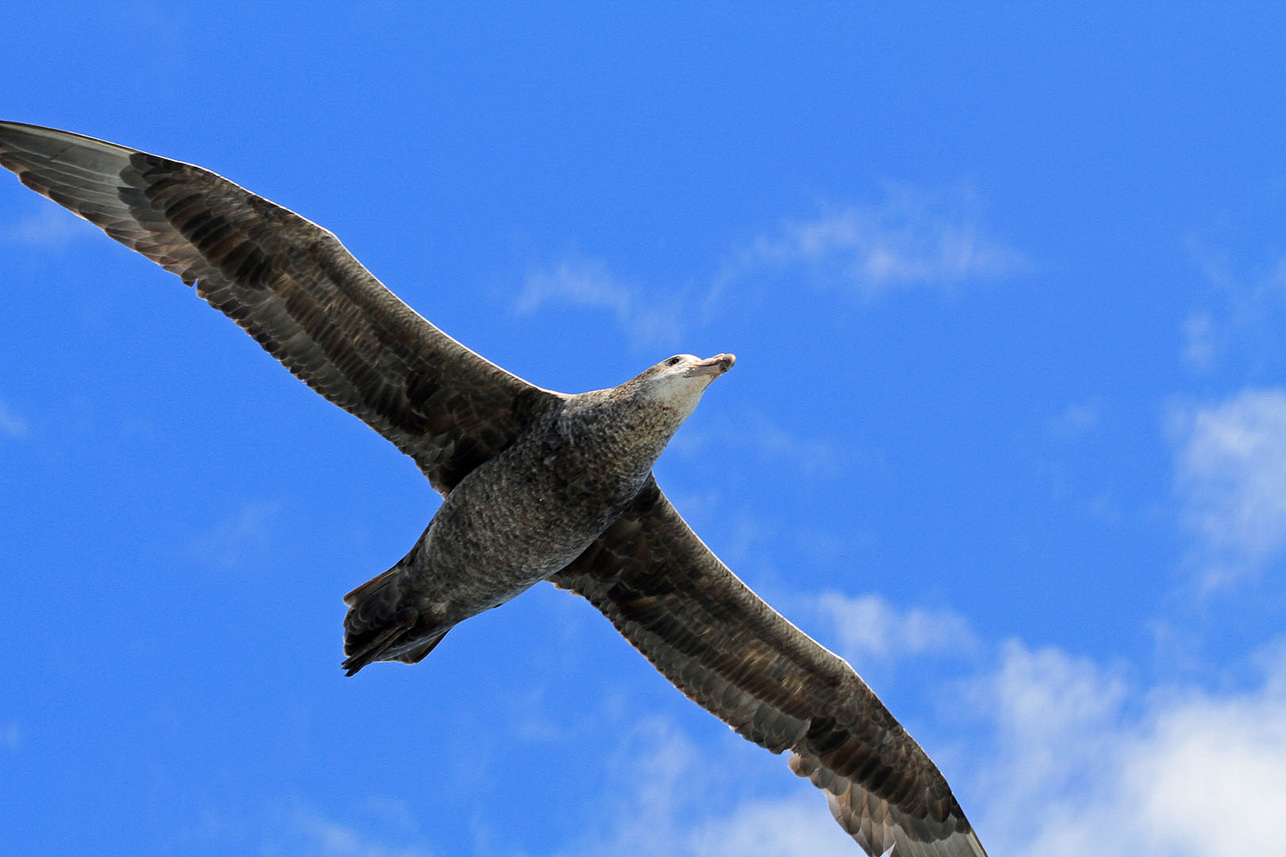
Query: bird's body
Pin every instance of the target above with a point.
(528, 512)
(537, 485)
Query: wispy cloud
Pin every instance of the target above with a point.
(788, 827)
(325, 837)
(668, 798)
(234, 540)
(1241, 318)
(1196, 773)
(1053, 718)
(911, 239)
(1199, 338)
(869, 626)
(1054, 755)
(776, 444)
(10, 423)
(11, 736)
(244, 824)
(654, 319)
(1067, 757)
(1227, 756)
(656, 776)
(48, 228)
(1077, 419)
(768, 440)
(1230, 473)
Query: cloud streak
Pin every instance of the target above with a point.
(1240, 319)
(1230, 474)
(48, 228)
(911, 239)
(230, 543)
(326, 837)
(11, 736)
(1195, 774)
(10, 423)
(766, 439)
(1057, 755)
(870, 627)
(589, 284)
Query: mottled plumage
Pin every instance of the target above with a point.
(538, 485)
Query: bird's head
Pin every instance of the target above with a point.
(678, 382)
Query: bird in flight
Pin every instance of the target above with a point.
(537, 485)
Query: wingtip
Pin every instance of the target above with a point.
(353, 664)
(29, 131)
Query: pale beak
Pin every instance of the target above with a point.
(715, 365)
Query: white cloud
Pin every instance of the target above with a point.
(243, 824)
(1231, 476)
(11, 736)
(237, 539)
(1053, 718)
(911, 239)
(1242, 315)
(1056, 756)
(49, 228)
(583, 283)
(669, 797)
(1078, 419)
(790, 827)
(324, 837)
(1199, 349)
(10, 423)
(655, 775)
(767, 439)
(775, 443)
(1073, 772)
(869, 626)
(1208, 762)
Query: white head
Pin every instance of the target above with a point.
(677, 383)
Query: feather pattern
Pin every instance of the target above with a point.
(731, 653)
(293, 287)
(308, 302)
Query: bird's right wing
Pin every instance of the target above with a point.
(731, 653)
(293, 287)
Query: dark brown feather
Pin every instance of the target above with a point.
(309, 303)
(296, 290)
(716, 640)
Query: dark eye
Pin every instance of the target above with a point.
(673, 361)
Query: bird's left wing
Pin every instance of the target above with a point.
(731, 653)
(293, 287)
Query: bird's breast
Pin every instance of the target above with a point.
(519, 518)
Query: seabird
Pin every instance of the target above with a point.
(537, 485)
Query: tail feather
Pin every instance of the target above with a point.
(384, 624)
(360, 592)
(371, 648)
(421, 651)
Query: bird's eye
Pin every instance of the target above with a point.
(673, 361)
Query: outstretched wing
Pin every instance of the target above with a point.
(734, 655)
(295, 289)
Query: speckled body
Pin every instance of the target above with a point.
(527, 512)
(538, 484)
(532, 509)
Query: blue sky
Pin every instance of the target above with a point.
(1007, 428)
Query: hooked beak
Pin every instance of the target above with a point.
(715, 365)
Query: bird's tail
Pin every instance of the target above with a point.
(381, 626)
